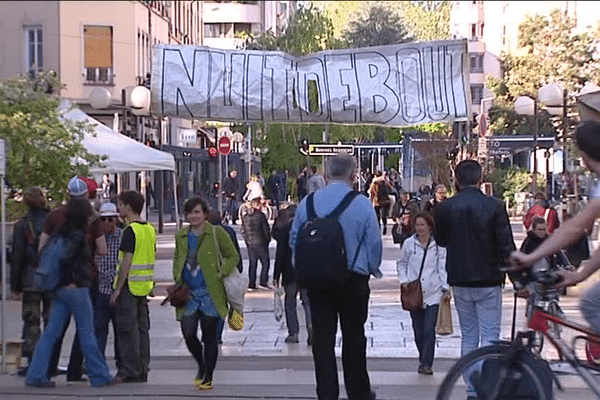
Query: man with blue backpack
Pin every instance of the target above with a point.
(337, 246)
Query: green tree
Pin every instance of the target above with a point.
(550, 51)
(42, 148)
(377, 24)
(426, 20)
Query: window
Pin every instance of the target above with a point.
(98, 55)
(218, 30)
(476, 62)
(473, 31)
(476, 94)
(503, 34)
(34, 54)
(239, 28)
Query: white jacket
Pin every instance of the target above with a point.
(434, 276)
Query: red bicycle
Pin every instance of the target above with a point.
(517, 370)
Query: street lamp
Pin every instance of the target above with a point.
(525, 105)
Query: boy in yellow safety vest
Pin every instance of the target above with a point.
(134, 281)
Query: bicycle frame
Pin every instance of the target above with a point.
(538, 320)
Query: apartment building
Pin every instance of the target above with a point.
(492, 28)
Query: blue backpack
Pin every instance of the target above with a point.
(47, 276)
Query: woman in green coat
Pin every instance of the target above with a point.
(195, 264)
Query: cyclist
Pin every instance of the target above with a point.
(588, 141)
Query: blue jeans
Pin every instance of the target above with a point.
(590, 307)
(423, 322)
(104, 314)
(76, 301)
(479, 312)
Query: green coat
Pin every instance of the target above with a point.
(207, 260)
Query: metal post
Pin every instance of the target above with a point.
(359, 171)
(535, 144)
(219, 174)
(565, 124)
(249, 151)
(3, 244)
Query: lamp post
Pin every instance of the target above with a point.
(525, 105)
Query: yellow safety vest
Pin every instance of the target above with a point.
(140, 279)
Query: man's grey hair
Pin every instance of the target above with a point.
(341, 167)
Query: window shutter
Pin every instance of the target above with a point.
(98, 46)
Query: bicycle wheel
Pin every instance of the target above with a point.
(503, 379)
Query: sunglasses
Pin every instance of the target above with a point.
(104, 219)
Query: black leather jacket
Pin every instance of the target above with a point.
(476, 232)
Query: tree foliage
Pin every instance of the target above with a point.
(42, 149)
(377, 24)
(551, 51)
(426, 20)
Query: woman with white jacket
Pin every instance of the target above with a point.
(433, 283)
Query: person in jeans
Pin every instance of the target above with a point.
(231, 188)
(572, 230)
(257, 234)
(433, 284)
(23, 260)
(195, 264)
(350, 304)
(476, 232)
(71, 297)
(134, 281)
(285, 272)
(107, 269)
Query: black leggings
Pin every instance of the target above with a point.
(382, 215)
(205, 357)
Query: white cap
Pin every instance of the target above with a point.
(77, 187)
(108, 210)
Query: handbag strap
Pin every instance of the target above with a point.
(423, 261)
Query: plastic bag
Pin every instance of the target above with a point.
(278, 303)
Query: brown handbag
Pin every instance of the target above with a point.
(411, 294)
(177, 295)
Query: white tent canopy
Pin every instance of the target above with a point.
(124, 154)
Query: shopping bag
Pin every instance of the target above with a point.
(444, 319)
(278, 304)
(234, 283)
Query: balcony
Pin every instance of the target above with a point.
(99, 76)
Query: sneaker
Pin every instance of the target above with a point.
(76, 379)
(48, 384)
(251, 288)
(22, 371)
(265, 285)
(292, 338)
(425, 370)
(309, 338)
(385, 230)
(205, 385)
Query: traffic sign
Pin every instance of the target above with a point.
(224, 145)
(328, 149)
(212, 151)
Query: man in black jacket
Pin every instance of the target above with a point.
(257, 234)
(475, 229)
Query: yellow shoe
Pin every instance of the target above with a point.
(205, 385)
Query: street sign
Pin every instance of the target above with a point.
(2, 157)
(188, 136)
(224, 145)
(328, 149)
(212, 151)
(482, 148)
(482, 124)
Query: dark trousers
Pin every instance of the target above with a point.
(291, 313)
(104, 314)
(423, 322)
(382, 215)
(255, 253)
(133, 326)
(350, 305)
(206, 356)
(35, 307)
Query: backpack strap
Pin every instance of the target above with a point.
(343, 205)
(310, 207)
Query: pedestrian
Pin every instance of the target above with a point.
(315, 181)
(104, 314)
(422, 258)
(133, 282)
(195, 264)
(285, 274)
(348, 305)
(77, 188)
(71, 297)
(231, 189)
(35, 305)
(257, 235)
(274, 183)
(540, 208)
(476, 232)
(216, 220)
(438, 197)
(404, 212)
(253, 189)
(379, 192)
(108, 187)
(302, 184)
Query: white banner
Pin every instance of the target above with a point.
(395, 85)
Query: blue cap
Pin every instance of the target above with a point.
(77, 187)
